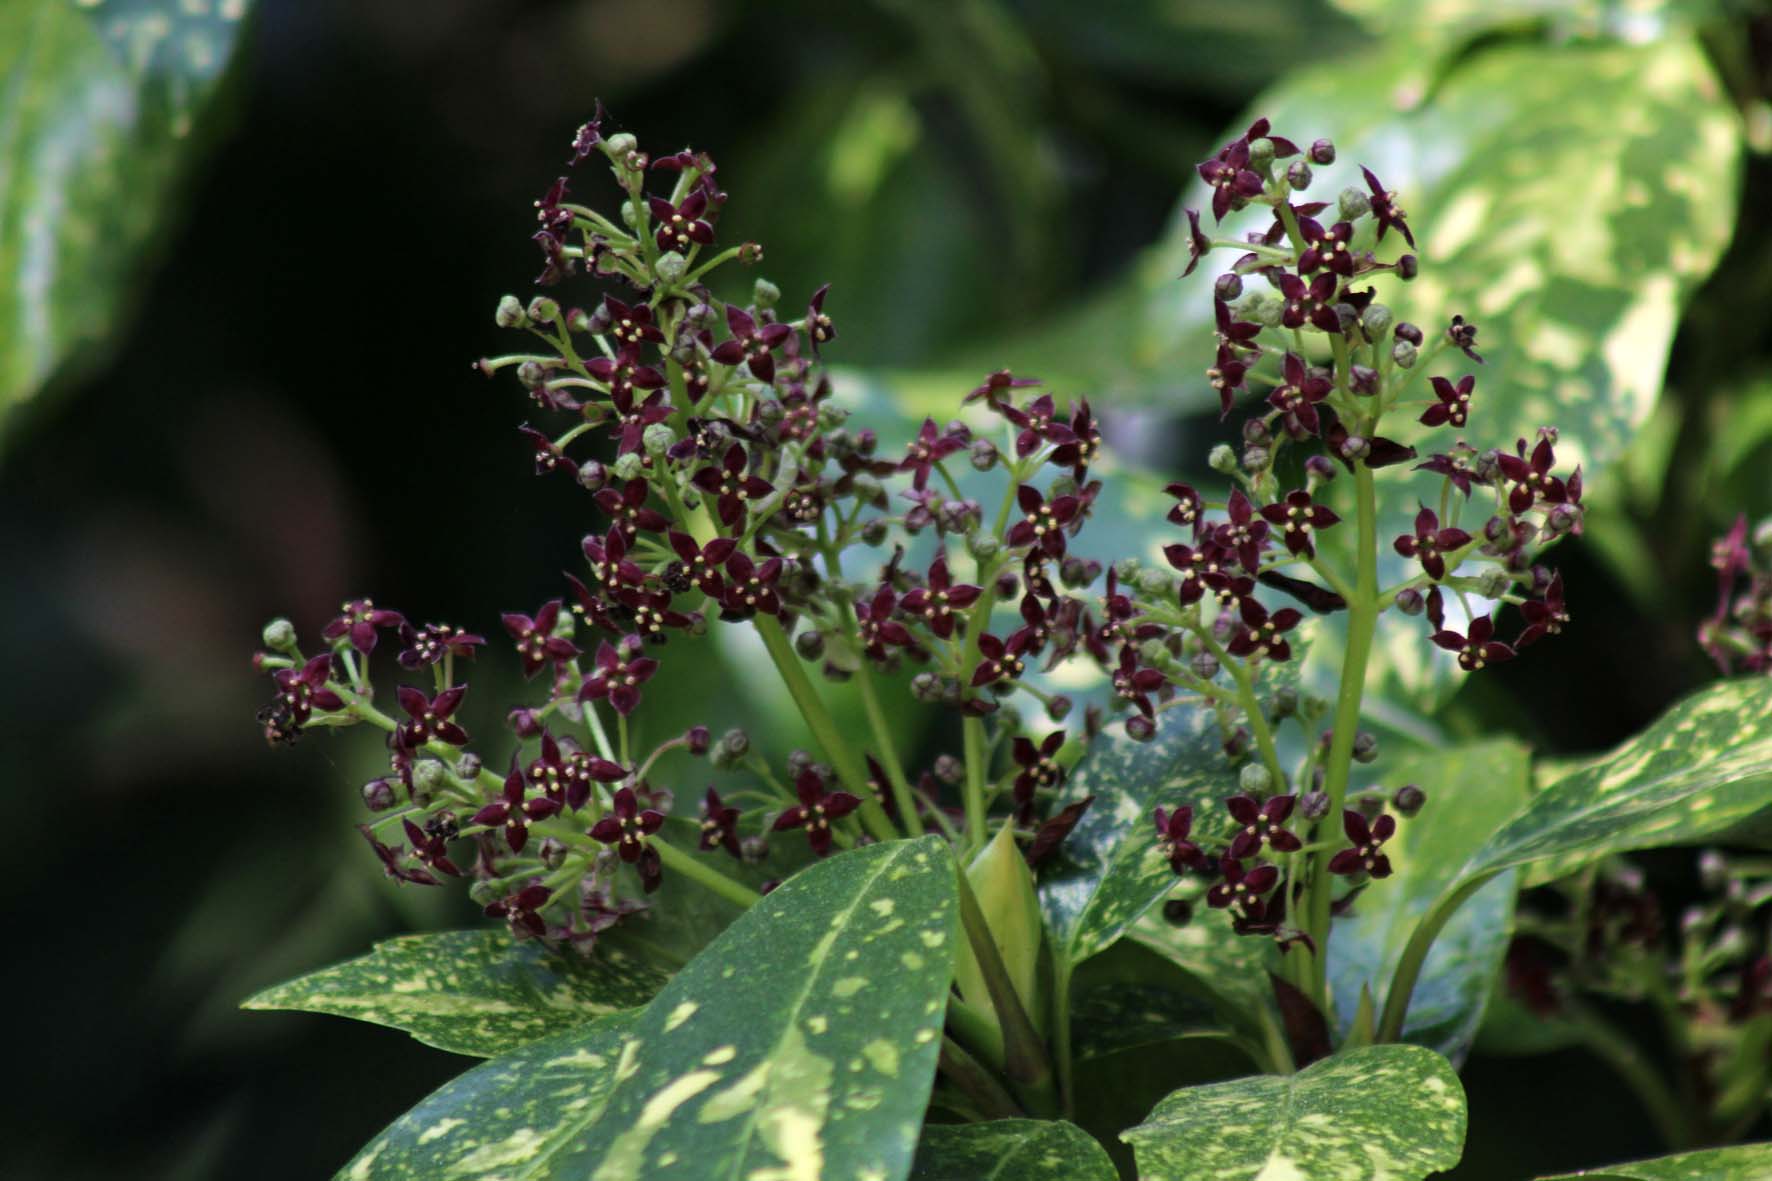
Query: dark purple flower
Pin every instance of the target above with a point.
(649, 612)
(1173, 829)
(878, 631)
(1040, 768)
(681, 227)
(995, 384)
(1463, 335)
(535, 639)
(1386, 209)
(623, 374)
(818, 807)
(1326, 247)
(1430, 543)
(1003, 659)
(568, 775)
(719, 824)
(630, 325)
(1531, 477)
(750, 587)
(609, 560)
(588, 136)
(732, 486)
(514, 812)
(1136, 684)
(1079, 442)
(1314, 303)
(1198, 244)
(1233, 334)
(359, 620)
(620, 671)
(1241, 890)
(752, 344)
(1038, 423)
(1479, 648)
(303, 690)
(819, 329)
(1188, 509)
(1455, 466)
(930, 447)
(627, 828)
(1296, 399)
(435, 641)
(1245, 533)
(429, 719)
(1545, 617)
(937, 602)
(1365, 856)
(1454, 405)
(632, 418)
(1261, 824)
(1294, 519)
(519, 910)
(548, 456)
(1262, 634)
(394, 865)
(1042, 525)
(701, 563)
(1232, 181)
(628, 508)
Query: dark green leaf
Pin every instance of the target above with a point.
(99, 111)
(1011, 1150)
(1384, 1113)
(801, 1042)
(1130, 996)
(1109, 871)
(1232, 967)
(1742, 1162)
(472, 992)
(1470, 790)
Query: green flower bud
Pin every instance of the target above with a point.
(1285, 702)
(1222, 459)
(1155, 582)
(1375, 321)
(1254, 780)
(543, 310)
(764, 293)
(1354, 204)
(619, 145)
(657, 438)
(279, 635)
(671, 266)
(1365, 747)
(1261, 153)
(629, 465)
(509, 313)
(1403, 353)
(982, 546)
(831, 415)
(1298, 175)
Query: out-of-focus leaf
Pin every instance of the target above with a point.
(1741, 1162)
(802, 1040)
(471, 992)
(1384, 1113)
(1471, 790)
(1011, 1150)
(100, 108)
(1231, 967)
(1129, 996)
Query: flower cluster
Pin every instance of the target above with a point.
(1739, 631)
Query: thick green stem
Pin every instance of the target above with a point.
(972, 731)
(680, 862)
(1362, 624)
(841, 754)
(902, 795)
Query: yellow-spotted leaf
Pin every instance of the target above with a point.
(471, 992)
(102, 106)
(1741, 1162)
(1011, 1150)
(800, 1043)
(1384, 1113)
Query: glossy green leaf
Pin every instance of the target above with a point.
(1231, 967)
(1109, 870)
(471, 992)
(100, 109)
(1741, 1162)
(1131, 996)
(800, 1043)
(1384, 1113)
(1471, 790)
(1011, 1150)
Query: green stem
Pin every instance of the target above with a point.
(977, 1083)
(902, 795)
(1396, 1000)
(693, 868)
(841, 754)
(972, 730)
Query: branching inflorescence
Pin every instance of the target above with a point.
(732, 489)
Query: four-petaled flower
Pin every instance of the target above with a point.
(1295, 517)
(1430, 543)
(1173, 829)
(819, 329)
(1313, 302)
(878, 631)
(1242, 890)
(535, 639)
(1245, 533)
(433, 643)
(1039, 767)
(1365, 856)
(627, 827)
(1478, 649)
(681, 227)
(719, 824)
(620, 671)
(732, 486)
(429, 718)
(930, 447)
(1454, 405)
(630, 325)
(751, 343)
(751, 587)
(1042, 525)
(1385, 208)
(1231, 179)
(520, 909)
(1003, 659)
(1326, 247)
(818, 807)
(303, 690)
(1531, 477)
(1544, 617)
(359, 620)
(609, 559)
(937, 602)
(1296, 399)
(1261, 825)
(514, 812)
(1136, 684)
(567, 775)
(628, 508)
(1187, 509)
(701, 563)
(1261, 634)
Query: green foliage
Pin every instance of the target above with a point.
(103, 103)
(1471, 789)
(1384, 1113)
(803, 1038)
(1011, 1150)
(471, 992)
(1743, 1162)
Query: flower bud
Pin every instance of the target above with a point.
(1363, 379)
(1408, 266)
(1151, 652)
(617, 146)
(1228, 286)
(1256, 459)
(1075, 573)
(592, 475)
(279, 635)
(1409, 601)
(873, 532)
(1237, 744)
(733, 746)
(1140, 728)
(867, 489)
(753, 850)
(1128, 568)
(509, 313)
(1255, 431)
(485, 893)
(1322, 152)
(1319, 469)
(629, 465)
(809, 644)
(552, 853)
(1313, 805)
(1713, 871)
(1155, 582)
(1254, 780)
(523, 723)
(764, 293)
(1368, 804)
(926, 686)
(1409, 332)
(950, 770)
(959, 516)
(1312, 706)
(1562, 518)
(1222, 459)
(378, 795)
(428, 778)
(1007, 585)
(1403, 353)
(543, 310)
(982, 546)
(1298, 175)
(628, 217)
(1261, 153)
(1284, 702)
(532, 375)
(1376, 320)
(831, 415)
(1204, 665)
(983, 454)
(1365, 747)
(697, 739)
(1493, 584)
(750, 253)
(577, 320)
(1353, 204)
(657, 438)
(1408, 800)
(468, 766)
(671, 267)
(1059, 708)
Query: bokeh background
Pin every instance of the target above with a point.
(253, 397)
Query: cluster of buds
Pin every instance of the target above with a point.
(1739, 632)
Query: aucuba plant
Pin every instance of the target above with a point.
(856, 957)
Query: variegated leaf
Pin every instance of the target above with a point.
(1011, 1150)
(99, 113)
(471, 992)
(1383, 1113)
(1741, 1162)
(800, 1043)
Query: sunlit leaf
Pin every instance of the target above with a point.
(1384, 1113)
(802, 1041)
(1742, 1162)
(1011, 1150)
(473, 992)
(100, 112)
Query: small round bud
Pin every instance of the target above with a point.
(736, 743)
(1204, 665)
(577, 320)
(867, 489)
(671, 267)
(959, 516)
(509, 313)
(592, 475)
(764, 293)
(1284, 702)
(1237, 745)
(1322, 152)
(873, 532)
(982, 546)
(1254, 780)
(532, 375)
(1059, 708)
(982, 454)
(1353, 204)
(1178, 912)
(926, 686)
(1312, 706)
(617, 146)
(809, 644)
(468, 766)
(1409, 601)
(658, 438)
(1368, 804)
(1376, 320)
(831, 415)
(378, 795)
(628, 217)
(1313, 805)
(1365, 747)
(1074, 572)
(1140, 728)
(1228, 286)
(552, 852)
(523, 723)
(1256, 459)
(1403, 353)
(1409, 332)
(629, 465)
(1363, 379)
(1261, 153)
(753, 850)
(697, 739)
(1153, 653)
(801, 760)
(1562, 518)
(1155, 582)
(1494, 583)
(1298, 175)
(1408, 266)
(543, 310)
(1319, 469)
(1128, 569)
(1255, 431)
(279, 635)
(1408, 800)
(1222, 459)
(750, 253)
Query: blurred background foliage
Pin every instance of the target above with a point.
(248, 250)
